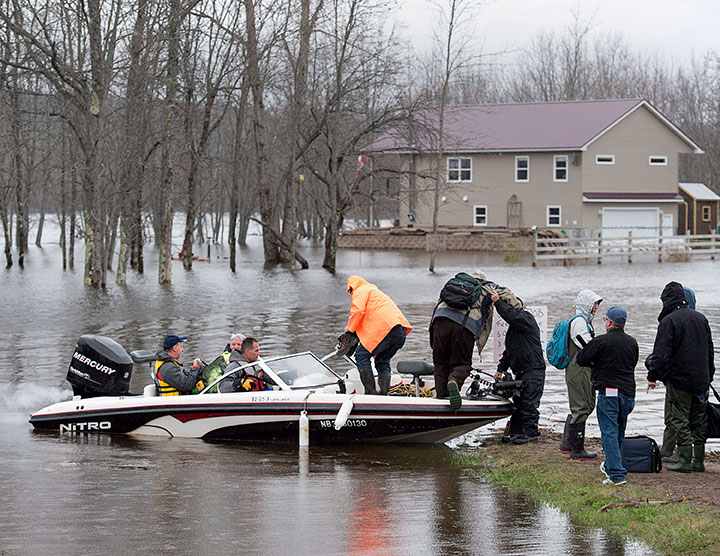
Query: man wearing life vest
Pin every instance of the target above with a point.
(381, 328)
(171, 378)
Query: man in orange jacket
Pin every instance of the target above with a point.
(381, 328)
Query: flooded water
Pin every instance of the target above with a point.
(112, 495)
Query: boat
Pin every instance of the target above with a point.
(305, 387)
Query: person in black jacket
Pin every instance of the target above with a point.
(684, 360)
(612, 358)
(524, 355)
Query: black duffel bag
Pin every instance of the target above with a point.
(641, 454)
(713, 415)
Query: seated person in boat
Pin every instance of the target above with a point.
(235, 343)
(171, 378)
(249, 379)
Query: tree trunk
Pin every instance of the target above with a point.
(267, 197)
(166, 166)
(41, 220)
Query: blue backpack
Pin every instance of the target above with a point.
(558, 347)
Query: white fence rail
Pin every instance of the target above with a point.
(664, 247)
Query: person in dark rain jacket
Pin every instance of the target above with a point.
(524, 355)
(683, 359)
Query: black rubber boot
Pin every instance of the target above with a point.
(698, 464)
(384, 382)
(564, 443)
(455, 398)
(367, 378)
(576, 438)
(684, 457)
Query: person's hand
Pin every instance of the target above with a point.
(494, 296)
(198, 363)
(498, 375)
(650, 386)
(346, 330)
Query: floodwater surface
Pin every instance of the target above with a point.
(115, 495)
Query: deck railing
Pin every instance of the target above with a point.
(594, 249)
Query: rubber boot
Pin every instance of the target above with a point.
(455, 398)
(684, 455)
(384, 382)
(672, 458)
(367, 379)
(564, 444)
(698, 463)
(667, 450)
(576, 437)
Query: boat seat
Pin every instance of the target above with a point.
(143, 356)
(416, 369)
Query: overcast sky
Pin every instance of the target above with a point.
(674, 28)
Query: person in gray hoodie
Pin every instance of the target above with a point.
(581, 395)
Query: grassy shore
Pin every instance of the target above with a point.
(539, 471)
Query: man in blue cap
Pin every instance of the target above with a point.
(171, 378)
(612, 358)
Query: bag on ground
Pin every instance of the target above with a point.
(462, 291)
(558, 346)
(713, 415)
(641, 455)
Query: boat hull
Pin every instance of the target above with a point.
(272, 416)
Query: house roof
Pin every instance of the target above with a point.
(537, 126)
(632, 197)
(699, 192)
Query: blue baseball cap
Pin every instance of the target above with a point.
(172, 339)
(616, 314)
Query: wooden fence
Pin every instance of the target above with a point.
(664, 247)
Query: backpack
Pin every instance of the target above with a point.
(640, 454)
(558, 347)
(462, 291)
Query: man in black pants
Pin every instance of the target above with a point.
(524, 355)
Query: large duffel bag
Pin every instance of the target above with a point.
(713, 415)
(641, 455)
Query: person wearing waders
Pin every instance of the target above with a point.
(667, 450)
(524, 355)
(683, 359)
(581, 395)
(381, 328)
(612, 358)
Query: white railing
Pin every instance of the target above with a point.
(664, 247)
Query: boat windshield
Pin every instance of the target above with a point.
(302, 370)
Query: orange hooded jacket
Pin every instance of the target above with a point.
(372, 313)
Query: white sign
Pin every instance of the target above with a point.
(500, 328)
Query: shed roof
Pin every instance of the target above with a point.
(536, 126)
(699, 191)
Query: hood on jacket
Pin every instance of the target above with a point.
(584, 303)
(354, 282)
(689, 297)
(672, 297)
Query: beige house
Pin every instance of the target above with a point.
(584, 164)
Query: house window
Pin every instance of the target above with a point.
(554, 215)
(658, 160)
(522, 168)
(706, 214)
(608, 159)
(480, 215)
(459, 169)
(560, 173)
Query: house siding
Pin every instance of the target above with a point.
(631, 141)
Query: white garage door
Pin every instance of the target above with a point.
(643, 222)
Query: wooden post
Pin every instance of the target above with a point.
(534, 247)
(712, 245)
(660, 239)
(629, 246)
(599, 259)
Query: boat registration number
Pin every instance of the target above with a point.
(326, 423)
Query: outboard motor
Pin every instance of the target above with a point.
(99, 367)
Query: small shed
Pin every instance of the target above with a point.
(700, 211)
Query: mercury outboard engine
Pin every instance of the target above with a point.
(99, 367)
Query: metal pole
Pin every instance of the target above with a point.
(599, 261)
(660, 239)
(534, 247)
(630, 246)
